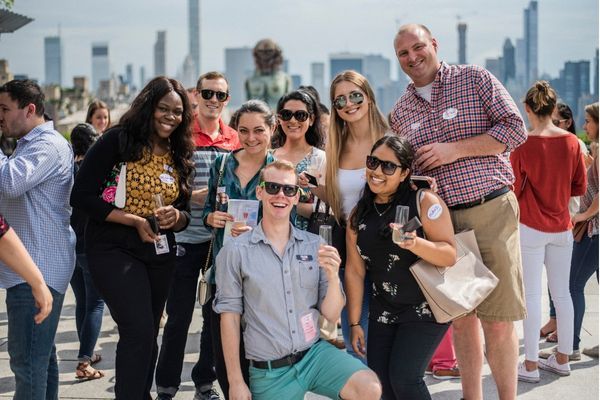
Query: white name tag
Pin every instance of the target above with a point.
(161, 244)
(166, 178)
(415, 126)
(450, 113)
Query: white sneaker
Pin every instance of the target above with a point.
(553, 366)
(528, 376)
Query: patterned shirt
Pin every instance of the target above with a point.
(588, 197)
(4, 227)
(233, 189)
(283, 319)
(35, 185)
(204, 156)
(466, 101)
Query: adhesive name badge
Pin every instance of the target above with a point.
(450, 113)
(304, 257)
(221, 189)
(434, 211)
(161, 244)
(308, 327)
(166, 178)
(415, 126)
(167, 168)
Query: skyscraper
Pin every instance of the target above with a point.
(160, 53)
(129, 75)
(462, 42)
(508, 59)
(520, 62)
(339, 62)
(100, 64)
(239, 65)
(377, 70)
(530, 19)
(576, 82)
(142, 77)
(317, 78)
(53, 60)
(194, 35)
(596, 83)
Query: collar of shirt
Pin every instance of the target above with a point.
(35, 132)
(258, 234)
(227, 138)
(437, 83)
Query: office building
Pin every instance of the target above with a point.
(100, 64)
(596, 83)
(575, 83)
(53, 60)
(339, 62)
(317, 78)
(160, 53)
(377, 70)
(129, 75)
(508, 61)
(462, 42)
(530, 19)
(194, 36)
(239, 66)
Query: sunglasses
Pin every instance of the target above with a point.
(208, 94)
(300, 115)
(559, 121)
(354, 98)
(387, 167)
(273, 188)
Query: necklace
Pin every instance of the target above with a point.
(382, 212)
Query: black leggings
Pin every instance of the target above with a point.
(399, 354)
(134, 283)
(220, 367)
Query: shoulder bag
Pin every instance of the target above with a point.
(455, 291)
(204, 288)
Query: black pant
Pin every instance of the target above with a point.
(399, 354)
(218, 353)
(134, 283)
(180, 308)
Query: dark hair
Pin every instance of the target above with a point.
(314, 134)
(234, 119)
(565, 113)
(95, 105)
(312, 91)
(259, 107)
(212, 75)
(83, 137)
(541, 98)
(25, 92)
(323, 108)
(405, 155)
(138, 127)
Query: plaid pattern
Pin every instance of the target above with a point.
(35, 185)
(482, 105)
(4, 227)
(588, 197)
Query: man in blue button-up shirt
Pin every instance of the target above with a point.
(280, 280)
(35, 185)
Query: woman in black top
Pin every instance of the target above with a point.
(129, 240)
(403, 334)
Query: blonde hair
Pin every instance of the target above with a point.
(280, 165)
(541, 98)
(338, 134)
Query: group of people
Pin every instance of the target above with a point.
(152, 211)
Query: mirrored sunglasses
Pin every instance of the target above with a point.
(354, 98)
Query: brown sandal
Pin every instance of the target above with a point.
(85, 372)
(552, 337)
(96, 358)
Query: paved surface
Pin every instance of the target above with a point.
(582, 384)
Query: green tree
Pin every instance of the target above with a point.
(7, 3)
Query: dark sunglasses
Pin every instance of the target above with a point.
(300, 115)
(558, 121)
(354, 98)
(387, 167)
(273, 188)
(208, 94)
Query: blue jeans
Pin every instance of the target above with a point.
(584, 263)
(31, 346)
(89, 308)
(364, 319)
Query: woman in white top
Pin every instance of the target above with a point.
(299, 139)
(356, 124)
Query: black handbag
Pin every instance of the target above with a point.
(338, 234)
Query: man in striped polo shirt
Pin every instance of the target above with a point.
(211, 137)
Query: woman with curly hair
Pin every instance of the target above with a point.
(129, 239)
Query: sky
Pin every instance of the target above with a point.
(307, 30)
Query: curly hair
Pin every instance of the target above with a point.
(138, 129)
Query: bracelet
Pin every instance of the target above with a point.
(353, 325)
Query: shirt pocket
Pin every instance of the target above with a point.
(308, 272)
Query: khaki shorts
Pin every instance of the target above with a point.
(496, 226)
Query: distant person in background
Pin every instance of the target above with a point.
(89, 306)
(99, 116)
(543, 187)
(15, 256)
(131, 247)
(323, 110)
(35, 184)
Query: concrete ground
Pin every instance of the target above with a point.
(582, 384)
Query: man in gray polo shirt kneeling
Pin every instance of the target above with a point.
(280, 280)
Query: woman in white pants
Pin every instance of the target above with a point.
(549, 169)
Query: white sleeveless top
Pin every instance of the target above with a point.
(351, 183)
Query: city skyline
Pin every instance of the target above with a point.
(488, 28)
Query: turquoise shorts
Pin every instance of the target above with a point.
(324, 370)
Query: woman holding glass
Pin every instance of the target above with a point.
(130, 246)
(403, 333)
(298, 139)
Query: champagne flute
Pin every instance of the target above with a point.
(399, 222)
(325, 231)
(158, 203)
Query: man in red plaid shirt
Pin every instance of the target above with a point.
(462, 123)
